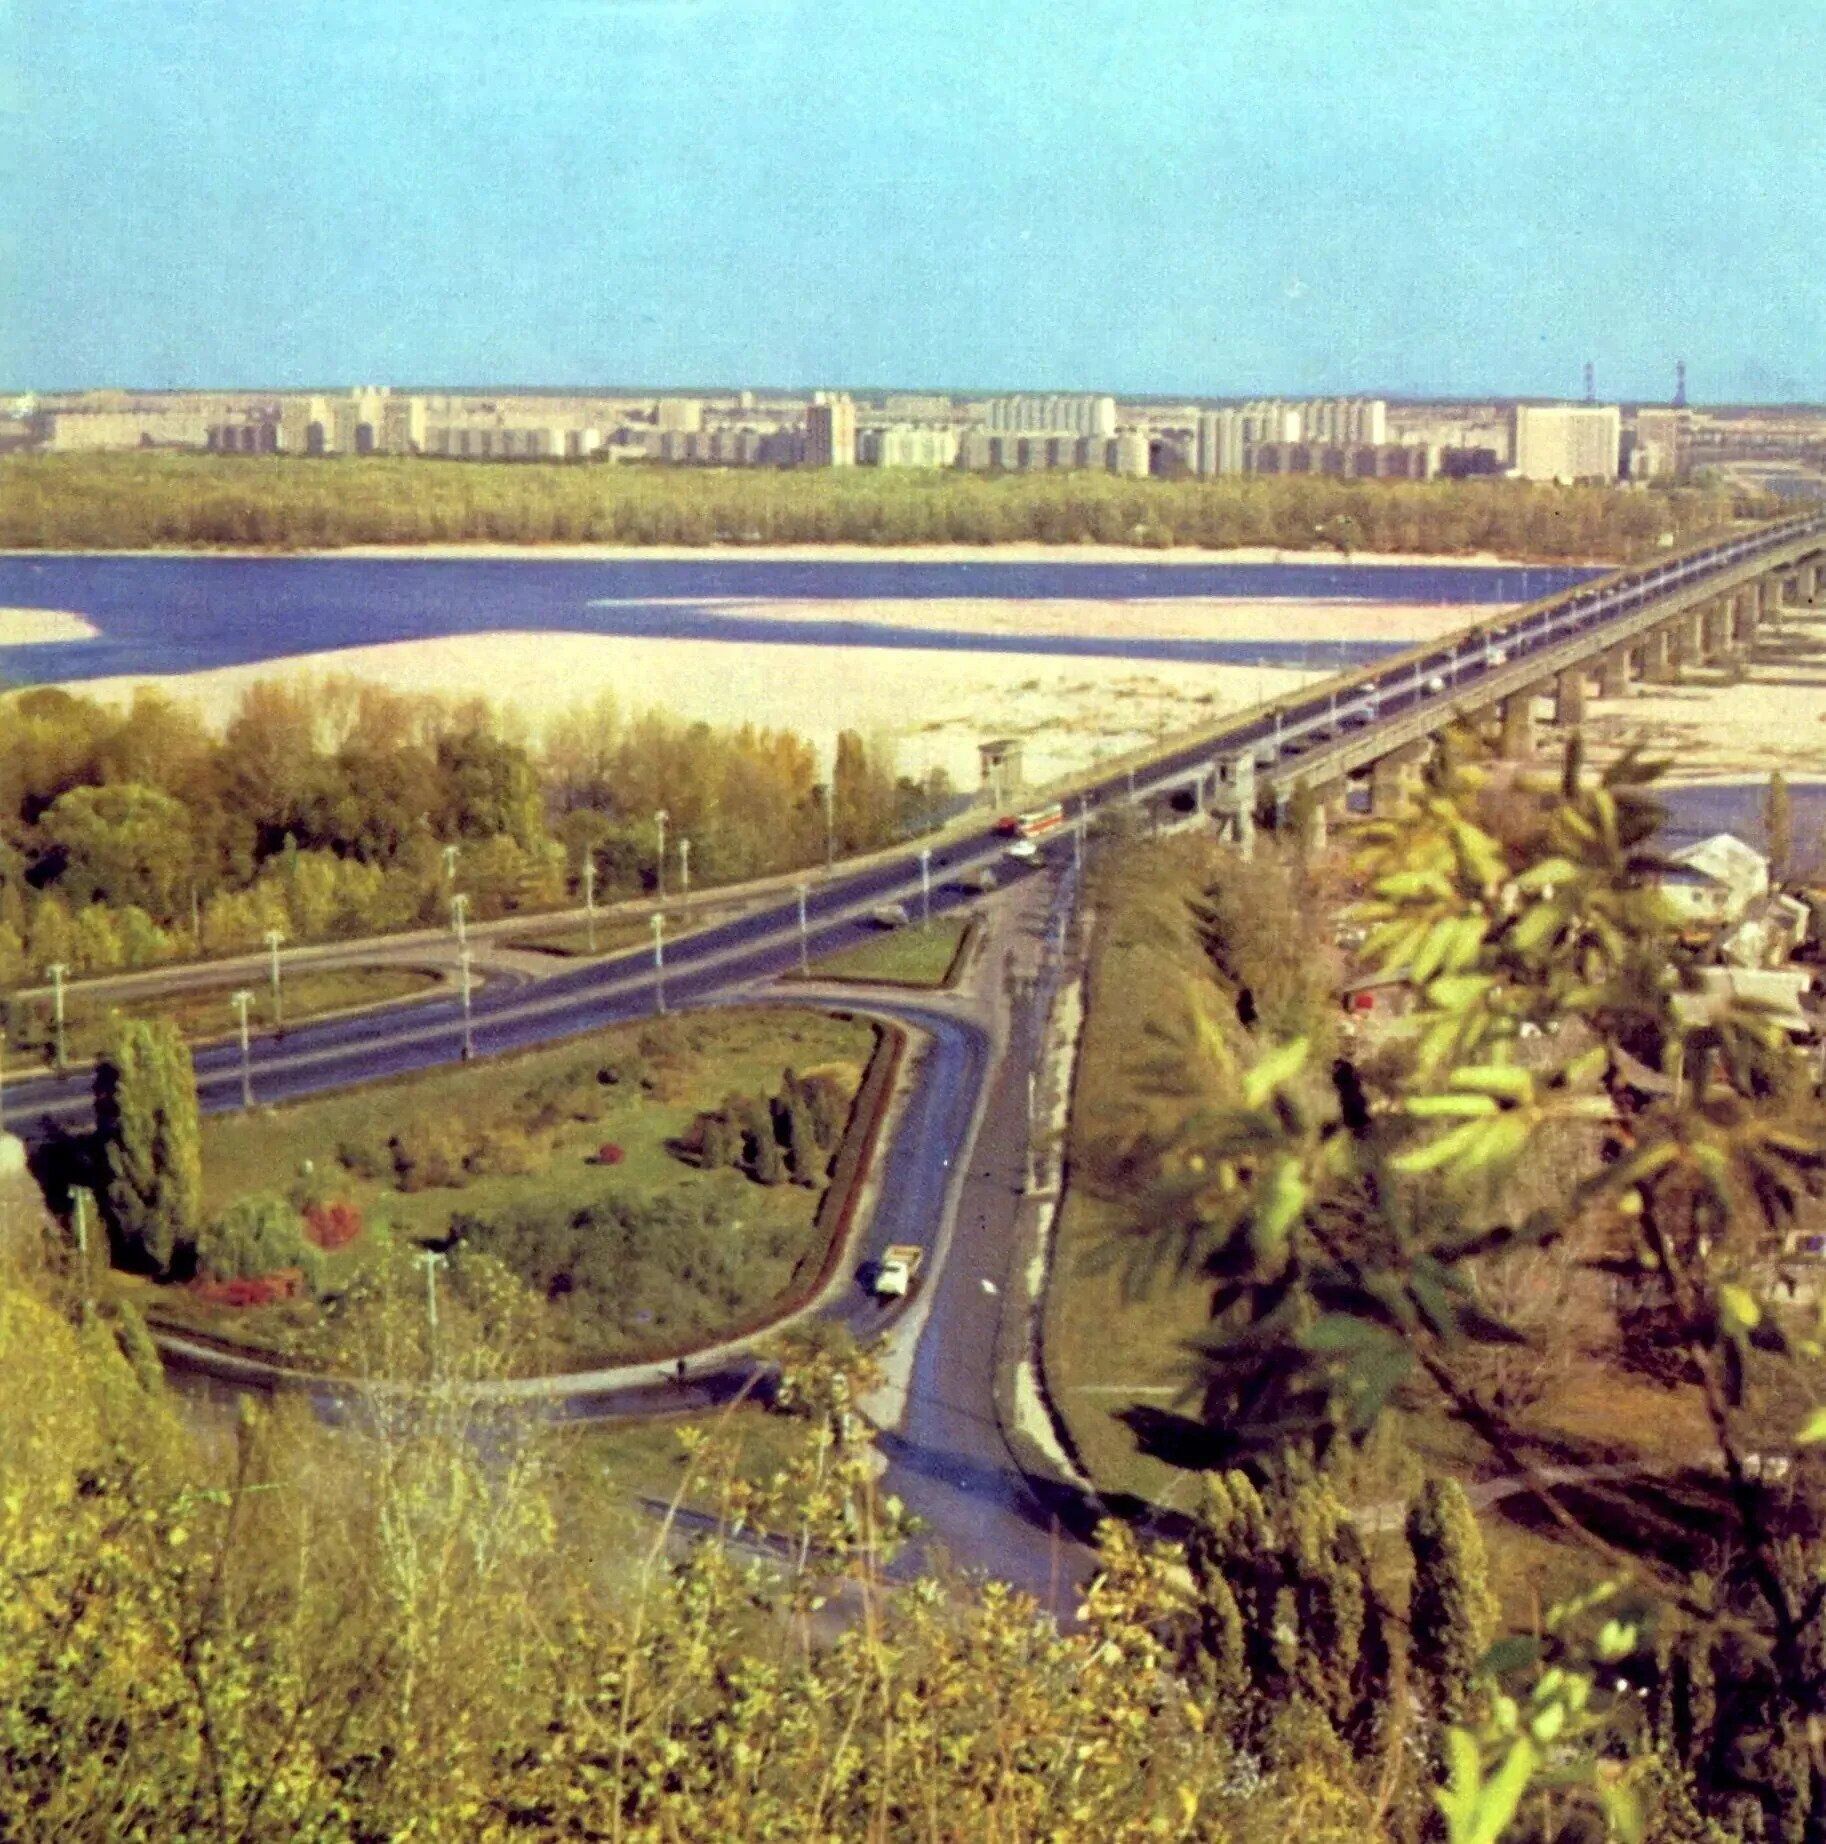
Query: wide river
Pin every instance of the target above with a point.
(166, 614)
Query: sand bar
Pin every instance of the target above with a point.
(934, 706)
(30, 627)
(1240, 619)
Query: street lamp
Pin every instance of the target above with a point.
(925, 885)
(804, 944)
(659, 863)
(450, 863)
(57, 970)
(431, 1258)
(273, 939)
(589, 896)
(459, 916)
(828, 794)
(242, 1000)
(463, 969)
(684, 870)
(659, 960)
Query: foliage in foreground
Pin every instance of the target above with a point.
(1340, 1220)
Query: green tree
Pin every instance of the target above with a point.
(122, 844)
(1452, 1614)
(148, 1143)
(255, 1235)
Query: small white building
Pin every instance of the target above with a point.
(1715, 881)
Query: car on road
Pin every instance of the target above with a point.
(897, 1270)
(1026, 850)
(889, 915)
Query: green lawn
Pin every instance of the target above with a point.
(917, 955)
(616, 934)
(209, 1011)
(512, 1145)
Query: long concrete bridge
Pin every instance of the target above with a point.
(1700, 606)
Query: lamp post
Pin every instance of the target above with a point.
(684, 870)
(925, 886)
(450, 864)
(589, 897)
(804, 944)
(463, 972)
(57, 970)
(431, 1258)
(273, 940)
(830, 821)
(659, 863)
(659, 961)
(242, 1000)
(459, 917)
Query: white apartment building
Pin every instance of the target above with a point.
(830, 432)
(1568, 441)
(1080, 415)
(907, 445)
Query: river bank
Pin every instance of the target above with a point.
(38, 627)
(934, 707)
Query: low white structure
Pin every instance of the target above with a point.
(1715, 881)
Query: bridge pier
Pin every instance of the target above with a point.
(1392, 776)
(1239, 797)
(1658, 664)
(1613, 673)
(1569, 697)
(1518, 724)
(1695, 653)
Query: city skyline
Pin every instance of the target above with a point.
(1411, 200)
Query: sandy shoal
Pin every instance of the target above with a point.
(1241, 619)
(935, 707)
(28, 627)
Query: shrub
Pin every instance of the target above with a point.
(366, 1155)
(427, 1154)
(608, 1153)
(333, 1225)
(503, 1152)
(254, 1236)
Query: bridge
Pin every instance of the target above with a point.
(1377, 726)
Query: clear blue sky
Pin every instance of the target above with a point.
(1202, 196)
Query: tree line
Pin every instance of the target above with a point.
(165, 501)
(333, 808)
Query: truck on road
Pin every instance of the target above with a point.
(897, 1270)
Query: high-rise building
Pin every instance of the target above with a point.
(1051, 415)
(830, 432)
(1220, 448)
(1567, 441)
(907, 445)
(678, 413)
(1660, 444)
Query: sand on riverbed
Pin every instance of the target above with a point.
(1239, 619)
(29, 627)
(935, 707)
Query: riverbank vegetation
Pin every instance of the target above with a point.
(169, 501)
(581, 1204)
(331, 809)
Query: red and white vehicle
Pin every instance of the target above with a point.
(1035, 824)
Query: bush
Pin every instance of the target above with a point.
(503, 1152)
(366, 1155)
(332, 1225)
(608, 1153)
(427, 1154)
(253, 1236)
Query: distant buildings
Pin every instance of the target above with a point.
(830, 433)
(907, 445)
(1343, 437)
(1092, 416)
(1568, 442)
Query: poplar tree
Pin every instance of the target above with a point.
(1778, 824)
(1452, 1615)
(148, 1143)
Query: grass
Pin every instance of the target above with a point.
(920, 955)
(727, 1250)
(615, 935)
(208, 1011)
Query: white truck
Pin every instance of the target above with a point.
(897, 1270)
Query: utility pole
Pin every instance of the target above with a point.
(459, 917)
(81, 1209)
(684, 870)
(469, 1048)
(804, 944)
(57, 970)
(242, 1000)
(431, 1258)
(925, 885)
(659, 863)
(659, 960)
(830, 822)
(1030, 1181)
(589, 897)
(273, 939)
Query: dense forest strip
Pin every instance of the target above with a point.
(159, 501)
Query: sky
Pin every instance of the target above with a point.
(1187, 197)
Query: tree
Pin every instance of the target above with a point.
(122, 844)
(148, 1144)
(1452, 1614)
(1778, 825)
(255, 1235)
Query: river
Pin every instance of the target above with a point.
(187, 613)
